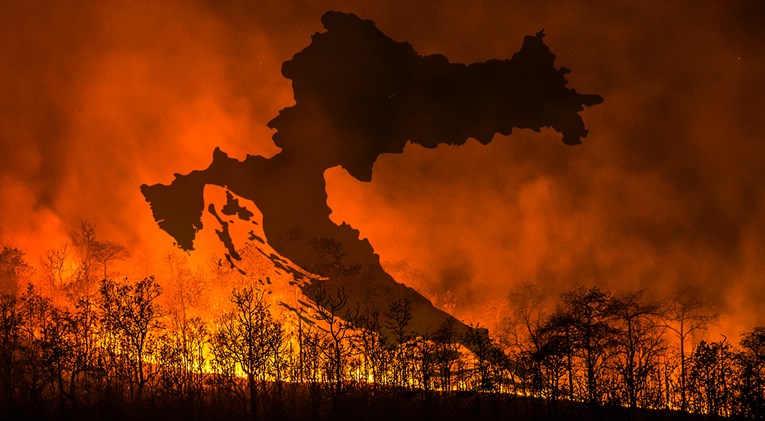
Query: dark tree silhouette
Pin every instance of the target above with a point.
(84, 241)
(43, 337)
(532, 348)
(131, 314)
(398, 318)
(180, 353)
(82, 361)
(686, 313)
(11, 322)
(710, 378)
(447, 352)
(751, 362)
(247, 339)
(483, 348)
(333, 317)
(372, 344)
(91, 252)
(550, 359)
(424, 359)
(638, 341)
(105, 251)
(585, 318)
(53, 263)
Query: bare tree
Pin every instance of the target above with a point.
(84, 241)
(585, 318)
(397, 320)
(522, 336)
(245, 340)
(447, 352)
(425, 357)
(482, 348)
(54, 263)
(186, 291)
(333, 317)
(104, 252)
(181, 357)
(130, 312)
(638, 341)
(550, 359)
(686, 313)
(82, 365)
(92, 252)
(371, 343)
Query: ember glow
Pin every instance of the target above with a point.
(665, 193)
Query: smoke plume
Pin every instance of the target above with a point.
(99, 98)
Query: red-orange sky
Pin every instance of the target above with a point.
(668, 190)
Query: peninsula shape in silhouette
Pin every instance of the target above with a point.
(359, 94)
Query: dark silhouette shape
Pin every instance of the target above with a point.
(360, 94)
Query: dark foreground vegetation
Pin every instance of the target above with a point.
(112, 349)
(300, 403)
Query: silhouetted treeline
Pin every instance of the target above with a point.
(110, 350)
(626, 350)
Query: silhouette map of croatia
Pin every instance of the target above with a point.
(359, 94)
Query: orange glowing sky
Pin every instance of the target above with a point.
(667, 190)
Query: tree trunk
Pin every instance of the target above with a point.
(682, 368)
(253, 392)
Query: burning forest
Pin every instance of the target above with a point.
(97, 347)
(209, 214)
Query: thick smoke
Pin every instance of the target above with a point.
(666, 192)
(96, 98)
(664, 195)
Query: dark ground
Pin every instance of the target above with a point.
(362, 404)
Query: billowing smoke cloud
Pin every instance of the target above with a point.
(96, 98)
(664, 194)
(666, 191)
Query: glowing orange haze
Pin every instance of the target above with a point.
(665, 192)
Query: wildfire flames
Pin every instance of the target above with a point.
(665, 196)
